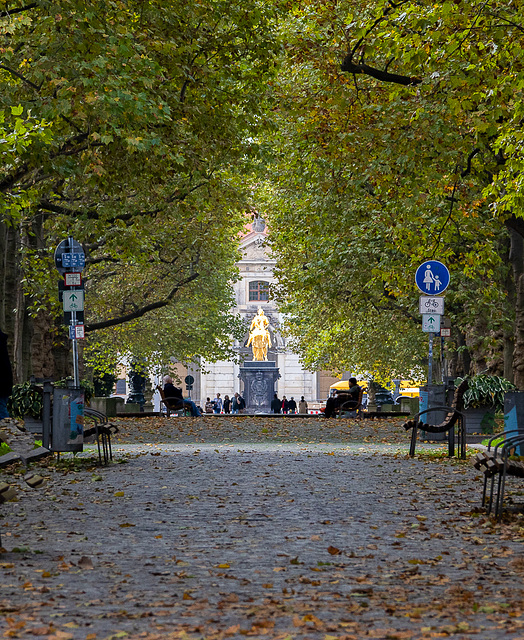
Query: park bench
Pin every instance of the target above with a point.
(173, 405)
(454, 418)
(496, 464)
(347, 408)
(101, 432)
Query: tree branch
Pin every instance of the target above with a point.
(385, 76)
(138, 313)
(11, 12)
(20, 77)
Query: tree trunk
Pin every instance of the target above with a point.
(516, 259)
(462, 364)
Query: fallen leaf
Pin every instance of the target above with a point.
(85, 563)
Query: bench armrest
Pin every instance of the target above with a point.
(439, 408)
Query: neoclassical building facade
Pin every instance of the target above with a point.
(252, 292)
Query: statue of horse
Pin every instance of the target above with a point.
(260, 341)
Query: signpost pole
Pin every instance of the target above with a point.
(432, 279)
(430, 359)
(76, 375)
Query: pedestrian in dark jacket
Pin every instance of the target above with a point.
(227, 404)
(292, 405)
(276, 404)
(285, 404)
(6, 376)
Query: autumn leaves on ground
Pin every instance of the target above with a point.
(275, 528)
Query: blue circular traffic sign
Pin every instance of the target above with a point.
(69, 256)
(432, 277)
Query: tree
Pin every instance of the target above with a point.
(398, 126)
(152, 108)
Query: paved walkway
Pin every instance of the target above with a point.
(261, 539)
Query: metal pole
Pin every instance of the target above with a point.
(443, 363)
(76, 377)
(430, 359)
(46, 424)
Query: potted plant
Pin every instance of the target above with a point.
(483, 398)
(27, 402)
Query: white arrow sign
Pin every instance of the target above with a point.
(427, 304)
(430, 322)
(73, 300)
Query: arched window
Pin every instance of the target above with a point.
(259, 290)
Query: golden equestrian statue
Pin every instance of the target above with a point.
(259, 337)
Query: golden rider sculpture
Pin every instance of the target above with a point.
(259, 337)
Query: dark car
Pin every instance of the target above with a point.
(384, 397)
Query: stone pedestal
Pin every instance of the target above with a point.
(259, 380)
(106, 406)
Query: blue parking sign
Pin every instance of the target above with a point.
(432, 277)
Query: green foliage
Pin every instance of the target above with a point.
(371, 177)
(153, 110)
(86, 385)
(104, 384)
(26, 400)
(4, 448)
(485, 390)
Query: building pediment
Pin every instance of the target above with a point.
(253, 247)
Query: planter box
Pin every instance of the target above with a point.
(107, 406)
(34, 425)
(409, 405)
(480, 420)
(131, 407)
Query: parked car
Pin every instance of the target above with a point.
(383, 396)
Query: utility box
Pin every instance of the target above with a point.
(433, 395)
(514, 415)
(67, 432)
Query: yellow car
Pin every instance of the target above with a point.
(408, 388)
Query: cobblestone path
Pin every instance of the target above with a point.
(288, 540)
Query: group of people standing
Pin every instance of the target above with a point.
(234, 405)
(288, 406)
(228, 405)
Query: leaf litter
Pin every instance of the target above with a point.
(292, 545)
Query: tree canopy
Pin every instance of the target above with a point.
(371, 136)
(151, 110)
(397, 142)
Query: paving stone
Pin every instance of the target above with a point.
(291, 539)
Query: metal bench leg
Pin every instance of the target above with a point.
(462, 431)
(413, 441)
(500, 493)
(484, 490)
(492, 491)
(98, 443)
(451, 442)
(109, 445)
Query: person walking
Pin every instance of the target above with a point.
(276, 404)
(227, 404)
(6, 376)
(285, 404)
(208, 406)
(302, 405)
(217, 404)
(292, 405)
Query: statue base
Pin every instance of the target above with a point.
(259, 379)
